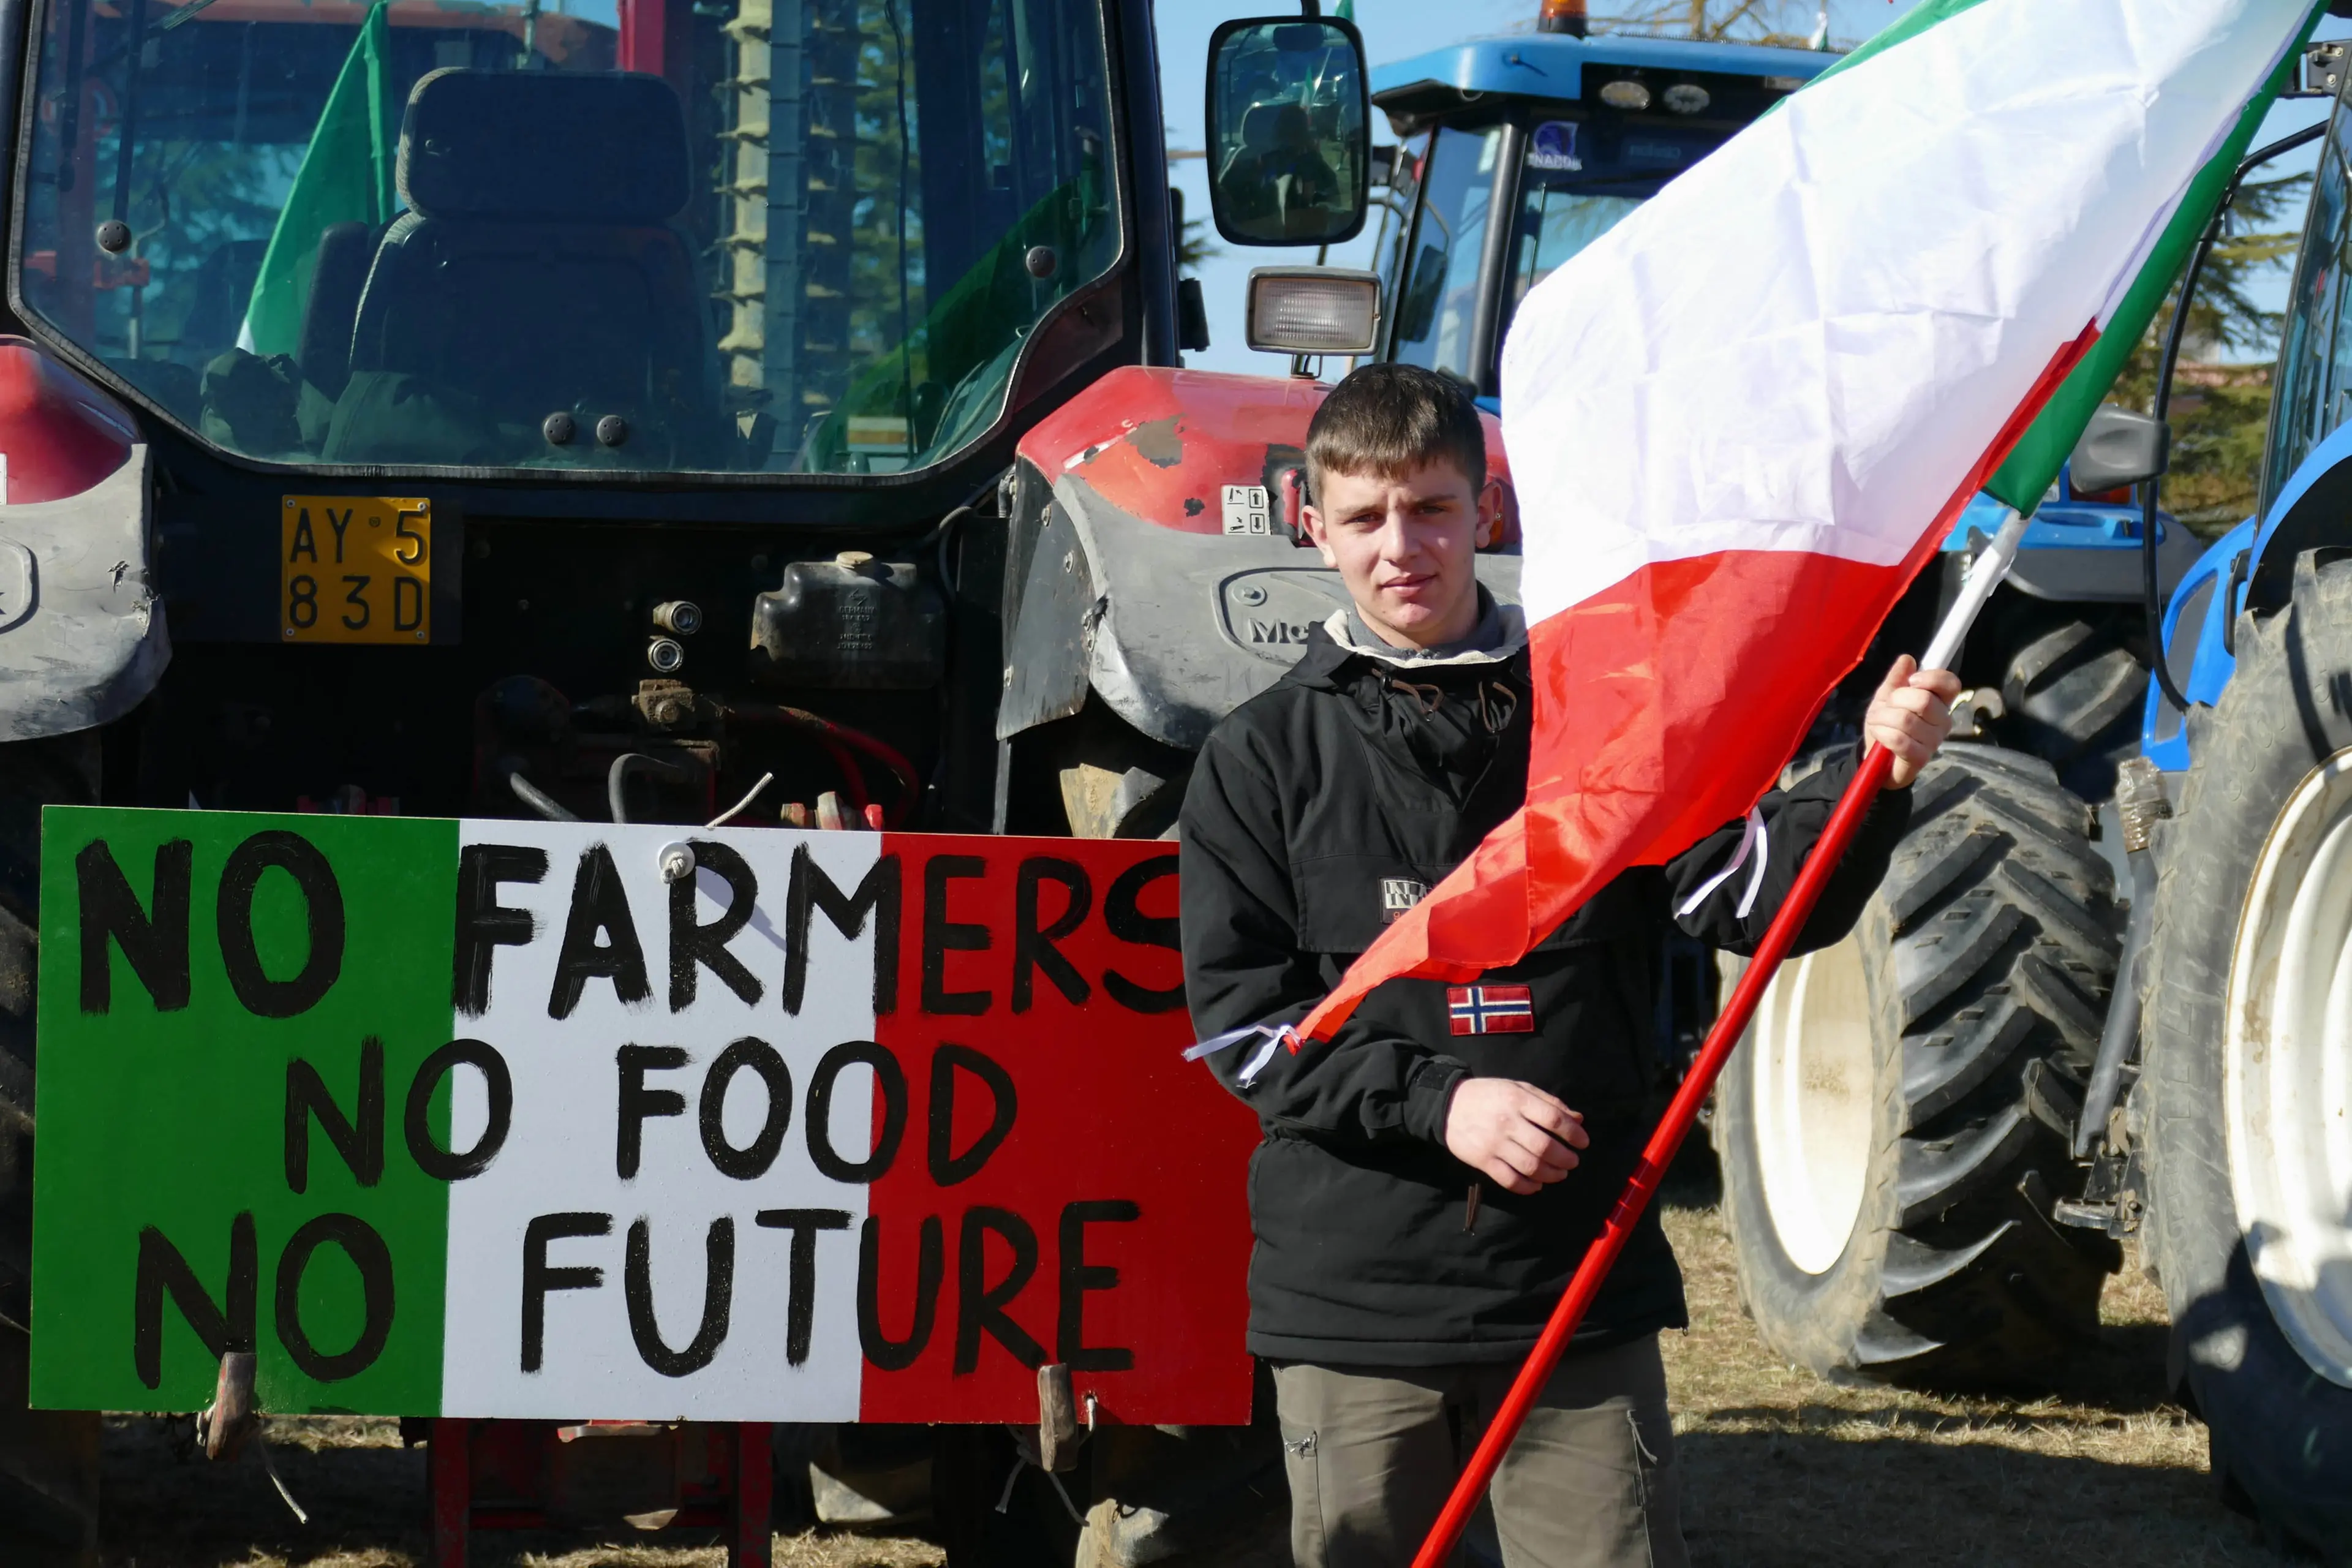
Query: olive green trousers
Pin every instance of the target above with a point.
(1590, 1481)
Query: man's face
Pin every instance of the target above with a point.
(1404, 548)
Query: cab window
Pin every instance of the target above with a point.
(2313, 380)
(1440, 299)
(1392, 227)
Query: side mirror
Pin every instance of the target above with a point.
(1289, 144)
(2119, 447)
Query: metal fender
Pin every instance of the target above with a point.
(1164, 577)
(2252, 567)
(83, 638)
(2196, 644)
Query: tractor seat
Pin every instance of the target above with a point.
(534, 272)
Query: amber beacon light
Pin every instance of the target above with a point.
(1562, 16)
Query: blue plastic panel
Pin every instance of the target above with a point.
(2059, 524)
(2164, 736)
(1551, 65)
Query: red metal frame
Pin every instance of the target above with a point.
(500, 1475)
(643, 37)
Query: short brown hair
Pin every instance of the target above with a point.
(1390, 419)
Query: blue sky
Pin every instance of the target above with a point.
(1394, 29)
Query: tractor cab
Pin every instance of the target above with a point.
(1560, 134)
(653, 238)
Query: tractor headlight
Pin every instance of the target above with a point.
(1687, 98)
(1627, 94)
(1313, 310)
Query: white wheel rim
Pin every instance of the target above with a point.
(2287, 1070)
(1810, 1071)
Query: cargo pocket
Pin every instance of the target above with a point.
(1299, 1467)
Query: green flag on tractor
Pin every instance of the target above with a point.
(346, 177)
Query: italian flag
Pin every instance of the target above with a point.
(1742, 421)
(522, 1119)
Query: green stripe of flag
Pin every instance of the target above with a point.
(2022, 481)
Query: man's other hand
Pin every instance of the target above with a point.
(1512, 1133)
(1911, 715)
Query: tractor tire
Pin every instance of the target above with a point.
(2243, 1096)
(49, 1459)
(2072, 696)
(1885, 1132)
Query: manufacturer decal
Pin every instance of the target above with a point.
(1398, 894)
(1553, 146)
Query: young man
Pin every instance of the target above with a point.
(1426, 1185)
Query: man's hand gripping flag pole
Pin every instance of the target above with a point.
(1984, 575)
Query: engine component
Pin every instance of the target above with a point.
(664, 656)
(852, 622)
(681, 617)
(841, 742)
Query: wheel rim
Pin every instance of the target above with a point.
(1810, 1072)
(2287, 1070)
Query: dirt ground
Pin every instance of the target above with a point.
(1784, 1467)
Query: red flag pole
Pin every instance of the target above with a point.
(1986, 573)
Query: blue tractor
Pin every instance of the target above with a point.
(2219, 1123)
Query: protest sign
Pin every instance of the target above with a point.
(490, 1119)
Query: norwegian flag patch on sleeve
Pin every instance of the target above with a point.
(1491, 1009)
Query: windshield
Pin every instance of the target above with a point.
(745, 236)
(1578, 179)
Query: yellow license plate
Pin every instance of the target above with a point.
(355, 569)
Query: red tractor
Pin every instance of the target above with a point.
(582, 411)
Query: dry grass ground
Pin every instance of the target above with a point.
(1787, 1469)
(1784, 1467)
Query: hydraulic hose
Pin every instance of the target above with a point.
(616, 778)
(538, 800)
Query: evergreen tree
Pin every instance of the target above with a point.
(2220, 412)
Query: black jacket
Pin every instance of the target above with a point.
(1315, 810)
